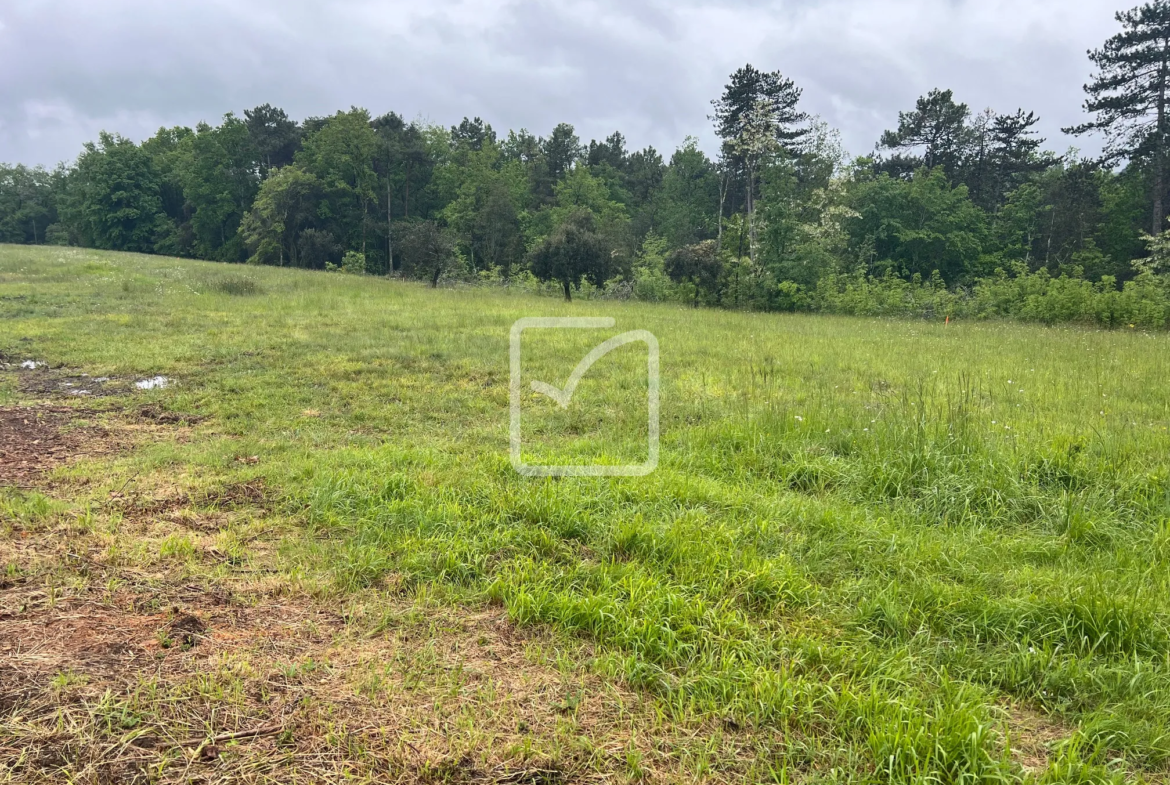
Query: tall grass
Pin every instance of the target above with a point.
(876, 539)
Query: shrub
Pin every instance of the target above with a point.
(353, 263)
(1143, 302)
(238, 285)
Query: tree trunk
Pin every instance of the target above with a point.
(390, 229)
(568, 290)
(1159, 189)
(1051, 231)
(751, 210)
(435, 277)
(722, 199)
(406, 196)
(1160, 150)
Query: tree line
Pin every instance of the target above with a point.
(780, 219)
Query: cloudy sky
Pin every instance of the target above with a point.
(69, 68)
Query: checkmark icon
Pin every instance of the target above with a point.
(564, 395)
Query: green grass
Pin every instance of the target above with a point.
(879, 542)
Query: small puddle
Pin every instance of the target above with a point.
(157, 383)
(37, 378)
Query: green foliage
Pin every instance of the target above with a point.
(216, 169)
(1128, 95)
(353, 263)
(581, 191)
(428, 251)
(273, 136)
(649, 279)
(1143, 302)
(485, 210)
(573, 252)
(27, 203)
(235, 285)
(284, 208)
(937, 129)
(917, 226)
(114, 199)
(1158, 260)
(687, 205)
(951, 193)
(341, 154)
(700, 266)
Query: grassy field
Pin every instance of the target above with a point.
(873, 551)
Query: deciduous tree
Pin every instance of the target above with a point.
(573, 252)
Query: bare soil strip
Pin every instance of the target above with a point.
(119, 668)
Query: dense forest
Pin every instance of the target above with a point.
(955, 210)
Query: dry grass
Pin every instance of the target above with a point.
(1033, 737)
(137, 645)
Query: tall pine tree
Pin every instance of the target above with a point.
(757, 118)
(1128, 95)
(937, 128)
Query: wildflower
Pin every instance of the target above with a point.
(799, 418)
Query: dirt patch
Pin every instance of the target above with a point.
(185, 630)
(97, 686)
(34, 440)
(160, 416)
(44, 382)
(239, 495)
(1033, 737)
(39, 380)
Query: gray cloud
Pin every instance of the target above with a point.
(69, 68)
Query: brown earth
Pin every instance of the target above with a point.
(34, 440)
(154, 638)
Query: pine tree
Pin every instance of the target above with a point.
(748, 88)
(1128, 95)
(937, 127)
(757, 119)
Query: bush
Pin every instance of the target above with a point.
(353, 263)
(237, 285)
(1035, 297)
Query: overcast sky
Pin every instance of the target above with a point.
(69, 68)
